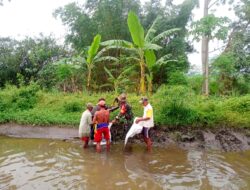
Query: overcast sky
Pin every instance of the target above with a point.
(20, 18)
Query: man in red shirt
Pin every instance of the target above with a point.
(101, 119)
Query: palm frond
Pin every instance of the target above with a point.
(150, 58)
(165, 34)
(149, 77)
(106, 58)
(106, 49)
(94, 48)
(135, 28)
(109, 73)
(150, 46)
(152, 30)
(163, 60)
(122, 43)
(128, 70)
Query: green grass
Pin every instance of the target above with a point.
(173, 106)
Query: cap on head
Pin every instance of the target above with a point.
(101, 103)
(89, 105)
(122, 97)
(143, 99)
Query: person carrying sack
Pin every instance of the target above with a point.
(147, 121)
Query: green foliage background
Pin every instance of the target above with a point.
(173, 106)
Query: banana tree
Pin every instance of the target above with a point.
(121, 80)
(94, 57)
(151, 61)
(141, 43)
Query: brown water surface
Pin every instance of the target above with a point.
(52, 164)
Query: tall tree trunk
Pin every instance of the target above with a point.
(73, 84)
(64, 87)
(204, 56)
(116, 88)
(88, 79)
(150, 83)
(142, 79)
(150, 87)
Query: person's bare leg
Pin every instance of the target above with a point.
(98, 147)
(86, 142)
(108, 145)
(149, 144)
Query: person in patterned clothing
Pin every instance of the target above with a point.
(125, 117)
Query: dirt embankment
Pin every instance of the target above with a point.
(209, 139)
(225, 139)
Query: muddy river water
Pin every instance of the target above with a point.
(53, 164)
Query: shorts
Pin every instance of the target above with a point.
(85, 139)
(99, 132)
(145, 131)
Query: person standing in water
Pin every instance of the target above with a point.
(147, 121)
(125, 117)
(101, 119)
(97, 108)
(84, 127)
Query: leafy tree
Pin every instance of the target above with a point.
(26, 58)
(104, 17)
(110, 17)
(8, 61)
(152, 10)
(209, 27)
(47, 77)
(232, 67)
(120, 81)
(35, 54)
(93, 57)
(141, 44)
(175, 45)
(82, 28)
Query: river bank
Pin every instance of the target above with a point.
(222, 139)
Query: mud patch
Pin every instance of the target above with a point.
(186, 138)
(47, 132)
(228, 141)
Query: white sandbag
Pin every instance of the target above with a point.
(135, 129)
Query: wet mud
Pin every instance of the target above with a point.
(225, 139)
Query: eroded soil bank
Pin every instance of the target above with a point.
(225, 139)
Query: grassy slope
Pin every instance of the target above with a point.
(172, 107)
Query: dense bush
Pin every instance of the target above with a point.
(25, 98)
(173, 106)
(72, 107)
(195, 83)
(179, 105)
(3, 104)
(177, 78)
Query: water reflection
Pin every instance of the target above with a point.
(48, 164)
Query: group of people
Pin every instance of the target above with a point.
(95, 122)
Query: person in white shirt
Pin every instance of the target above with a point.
(84, 127)
(147, 121)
